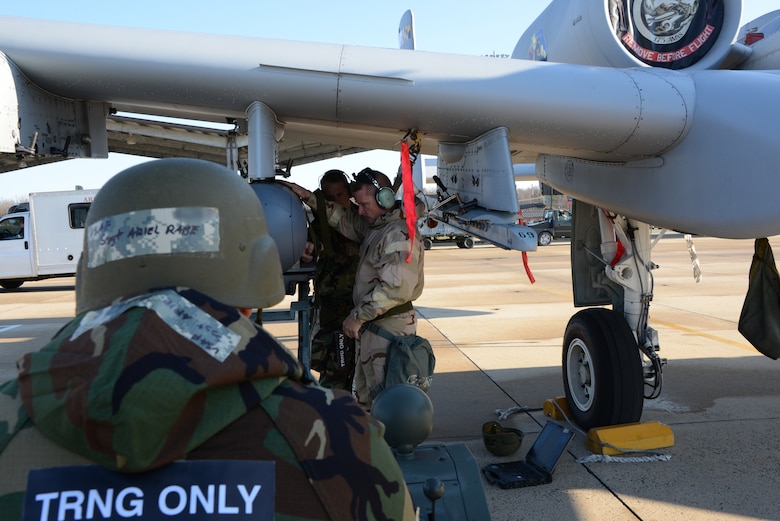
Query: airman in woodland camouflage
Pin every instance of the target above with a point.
(161, 363)
(332, 352)
(389, 276)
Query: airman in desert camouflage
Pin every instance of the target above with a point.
(389, 275)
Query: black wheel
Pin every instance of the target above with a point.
(427, 244)
(468, 242)
(11, 284)
(602, 369)
(545, 238)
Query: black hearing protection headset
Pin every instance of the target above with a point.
(385, 197)
(336, 176)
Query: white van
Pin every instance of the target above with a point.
(45, 240)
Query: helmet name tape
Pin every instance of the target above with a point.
(153, 231)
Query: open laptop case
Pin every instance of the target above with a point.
(539, 464)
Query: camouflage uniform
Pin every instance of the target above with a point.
(85, 398)
(385, 283)
(337, 261)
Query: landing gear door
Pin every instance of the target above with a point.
(590, 286)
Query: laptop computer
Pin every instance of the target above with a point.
(539, 463)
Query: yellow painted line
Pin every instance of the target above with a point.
(536, 286)
(746, 347)
(740, 345)
(14, 340)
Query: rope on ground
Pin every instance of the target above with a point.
(604, 458)
(503, 414)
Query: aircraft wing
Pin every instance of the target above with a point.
(165, 137)
(367, 97)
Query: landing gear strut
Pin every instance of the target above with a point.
(609, 356)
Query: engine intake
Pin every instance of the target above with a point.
(634, 33)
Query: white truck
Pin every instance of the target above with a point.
(43, 239)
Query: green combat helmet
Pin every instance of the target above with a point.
(178, 222)
(407, 414)
(500, 440)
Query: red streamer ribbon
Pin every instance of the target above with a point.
(528, 268)
(409, 205)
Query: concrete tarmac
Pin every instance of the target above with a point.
(498, 343)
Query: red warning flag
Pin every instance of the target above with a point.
(409, 205)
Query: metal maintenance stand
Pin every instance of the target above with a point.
(297, 280)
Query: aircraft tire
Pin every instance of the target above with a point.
(602, 369)
(545, 238)
(11, 284)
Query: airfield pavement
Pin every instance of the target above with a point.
(497, 340)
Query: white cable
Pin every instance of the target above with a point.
(503, 414)
(697, 275)
(604, 458)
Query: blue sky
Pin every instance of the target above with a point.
(477, 28)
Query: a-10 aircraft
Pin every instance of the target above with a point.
(647, 112)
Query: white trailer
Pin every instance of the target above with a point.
(44, 239)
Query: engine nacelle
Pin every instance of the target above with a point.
(673, 34)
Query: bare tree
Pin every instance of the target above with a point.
(5, 204)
